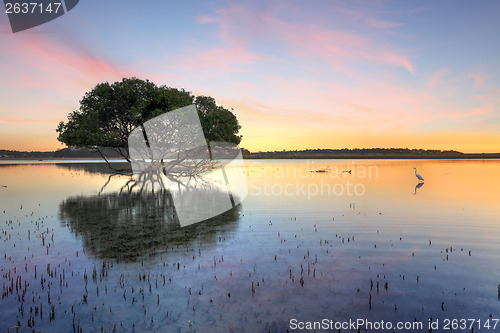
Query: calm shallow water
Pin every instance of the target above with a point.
(305, 245)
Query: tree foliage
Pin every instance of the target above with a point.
(218, 123)
(110, 112)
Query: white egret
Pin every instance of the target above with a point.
(420, 178)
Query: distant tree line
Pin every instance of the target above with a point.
(366, 151)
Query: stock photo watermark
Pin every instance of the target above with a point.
(447, 324)
(309, 180)
(170, 153)
(27, 14)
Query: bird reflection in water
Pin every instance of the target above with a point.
(419, 185)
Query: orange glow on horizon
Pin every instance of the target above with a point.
(269, 137)
(340, 142)
(335, 76)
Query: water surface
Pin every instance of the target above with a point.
(370, 243)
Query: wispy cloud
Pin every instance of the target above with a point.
(51, 62)
(243, 26)
(383, 24)
(225, 59)
(474, 112)
(438, 78)
(206, 19)
(44, 77)
(479, 79)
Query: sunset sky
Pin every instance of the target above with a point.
(299, 74)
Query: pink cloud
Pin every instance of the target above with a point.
(241, 26)
(479, 79)
(227, 59)
(390, 58)
(379, 24)
(437, 78)
(353, 14)
(474, 112)
(371, 106)
(206, 19)
(59, 64)
(367, 17)
(72, 58)
(45, 77)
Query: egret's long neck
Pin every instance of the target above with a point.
(415, 171)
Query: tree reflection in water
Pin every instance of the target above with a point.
(128, 225)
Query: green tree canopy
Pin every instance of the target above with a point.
(110, 112)
(218, 123)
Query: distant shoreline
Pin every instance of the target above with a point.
(271, 156)
(336, 154)
(111, 159)
(299, 156)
